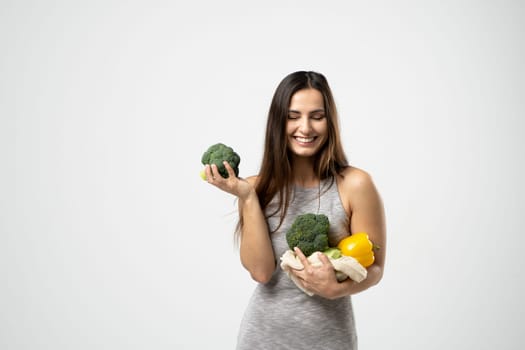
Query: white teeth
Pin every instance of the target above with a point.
(304, 139)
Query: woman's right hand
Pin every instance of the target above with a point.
(233, 185)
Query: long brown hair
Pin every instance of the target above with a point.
(275, 176)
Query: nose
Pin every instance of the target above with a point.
(305, 125)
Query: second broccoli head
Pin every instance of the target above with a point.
(309, 232)
(217, 154)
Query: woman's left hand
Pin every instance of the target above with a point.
(320, 280)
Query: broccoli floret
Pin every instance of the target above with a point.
(217, 154)
(309, 232)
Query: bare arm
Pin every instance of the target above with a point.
(361, 199)
(367, 215)
(256, 250)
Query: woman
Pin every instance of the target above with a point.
(304, 170)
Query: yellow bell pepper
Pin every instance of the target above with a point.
(359, 247)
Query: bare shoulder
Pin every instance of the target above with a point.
(356, 187)
(356, 179)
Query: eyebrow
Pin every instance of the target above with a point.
(311, 112)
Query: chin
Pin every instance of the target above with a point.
(304, 153)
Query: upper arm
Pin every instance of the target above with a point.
(365, 208)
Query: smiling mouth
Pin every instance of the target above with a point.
(304, 139)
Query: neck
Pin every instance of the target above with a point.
(303, 173)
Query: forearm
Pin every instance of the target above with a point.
(256, 250)
(350, 287)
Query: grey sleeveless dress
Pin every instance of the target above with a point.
(279, 315)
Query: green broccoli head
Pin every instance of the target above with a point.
(309, 232)
(217, 154)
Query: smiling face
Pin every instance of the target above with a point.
(306, 126)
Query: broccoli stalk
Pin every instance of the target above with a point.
(309, 232)
(333, 253)
(217, 154)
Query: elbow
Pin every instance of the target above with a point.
(262, 278)
(376, 274)
(262, 275)
(260, 271)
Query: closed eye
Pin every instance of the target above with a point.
(317, 116)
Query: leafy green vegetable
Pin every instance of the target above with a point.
(309, 232)
(217, 154)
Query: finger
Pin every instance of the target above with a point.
(301, 257)
(207, 172)
(215, 171)
(300, 276)
(229, 169)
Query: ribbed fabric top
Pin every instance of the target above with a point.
(279, 315)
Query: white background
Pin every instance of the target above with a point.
(110, 240)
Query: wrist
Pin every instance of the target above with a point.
(248, 197)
